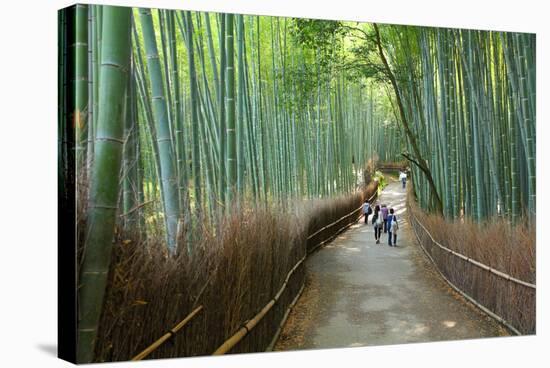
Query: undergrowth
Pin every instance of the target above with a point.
(495, 243)
(233, 271)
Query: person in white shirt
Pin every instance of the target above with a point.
(367, 210)
(403, 178)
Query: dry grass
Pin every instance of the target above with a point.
(497, 244)
(233, 276)
(233, 272)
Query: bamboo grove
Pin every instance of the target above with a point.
(180, 117)
(470, 99)
(212, 116)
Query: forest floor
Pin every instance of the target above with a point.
(359, 293)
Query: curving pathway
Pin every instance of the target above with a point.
(359, 293)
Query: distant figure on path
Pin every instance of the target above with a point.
(403, 178)
(367, 210)
(377, 222)
(393, 226)
(384, 211)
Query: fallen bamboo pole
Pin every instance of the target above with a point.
(154, 346)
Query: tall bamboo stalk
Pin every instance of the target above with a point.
(104, 183)
(160, 113)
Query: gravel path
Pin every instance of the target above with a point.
(359, 293)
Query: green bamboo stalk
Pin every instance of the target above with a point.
(92, 63)
(240, 118)
(130, 156)
(78, 45)
(222, 185)
(178, 118)
(104, 184)
(158, 101)
(230, 107)
(195, 152)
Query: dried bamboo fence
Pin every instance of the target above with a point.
(505, 298)
(315, 240)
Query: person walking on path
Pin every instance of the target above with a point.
(367, 210)
(393, 226)
(403, 178)
(377, 222)
(384, 211)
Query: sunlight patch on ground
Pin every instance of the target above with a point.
(353, 249)
(449, 324)
(419, 329)
(411, 329)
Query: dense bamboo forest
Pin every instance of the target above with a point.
(213, 116)
(182, 120)
(470, 98)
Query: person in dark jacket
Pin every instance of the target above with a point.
(377, 221)
(393, 226)
(367, 210)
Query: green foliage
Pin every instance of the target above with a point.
(323, 40)
(381, 179)
(363, 58)
(316, 34)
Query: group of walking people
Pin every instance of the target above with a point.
(384, 219)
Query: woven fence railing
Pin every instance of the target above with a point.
(250, 324)
(247, 327)
(507, 299)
